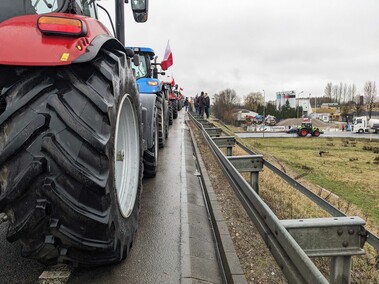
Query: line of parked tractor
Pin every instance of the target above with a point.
(162, 101)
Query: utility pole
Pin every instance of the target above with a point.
(264, 112)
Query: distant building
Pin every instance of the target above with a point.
(325, 117)
(305, 104)
(283, 97)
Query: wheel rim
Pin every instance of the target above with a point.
(127, 156)
(163, 125)
(303, 132)
(156, 138)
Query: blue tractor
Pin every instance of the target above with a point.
(154, 104)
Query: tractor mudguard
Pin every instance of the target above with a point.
(148, 102)
(26, 45)
(143, 119)
(148, 85)
(99, 42)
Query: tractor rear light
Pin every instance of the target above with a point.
(61, 26)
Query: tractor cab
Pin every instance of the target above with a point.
(146, 55)
(307, 125)
(143, 71)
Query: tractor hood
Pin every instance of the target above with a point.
(23, 43)
(149, 85)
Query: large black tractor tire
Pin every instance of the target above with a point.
(170, 115)
(180, 106)
(302, 132)
(316, 133)
(150, 156)
(167, 123)
(174, 106)
(161, 120)
(58, 166)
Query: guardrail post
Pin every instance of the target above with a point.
(338, 237)
(227, 142)
(207, 124)
(254, 181)
(340, 267)
(252, 164)
(213, 132)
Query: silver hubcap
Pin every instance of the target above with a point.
(127, 156)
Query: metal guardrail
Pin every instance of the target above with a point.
(290, 241)
(372, 239)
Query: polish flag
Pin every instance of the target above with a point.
(168, 59)
(173, 82)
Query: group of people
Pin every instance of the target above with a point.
(202, 104)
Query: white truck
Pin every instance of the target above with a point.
(362, 124)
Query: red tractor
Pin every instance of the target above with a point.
(70, 131)
(172, 101)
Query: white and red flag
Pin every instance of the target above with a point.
(168, 59)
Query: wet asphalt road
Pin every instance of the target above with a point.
(155, 256)
(13, 267)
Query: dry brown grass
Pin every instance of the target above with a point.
(288, 203)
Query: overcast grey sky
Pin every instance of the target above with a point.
(275, 45)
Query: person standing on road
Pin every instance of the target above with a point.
(207, 104)
(196, 102)
(202, 104)
(186, 104)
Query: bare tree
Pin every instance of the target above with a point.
(224, 103)
(328, 90)
(349, 94)
(370, 96)
(345, 98)
(350, 101)
(253, 100)
(353, 90)
(339, 93)
(335, 93)
(358, 106)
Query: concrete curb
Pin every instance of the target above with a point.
(199, 256)
(228, 257)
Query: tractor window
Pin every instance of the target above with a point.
(45, 6)
(141, 69)
(87, 7)
(14, 8)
